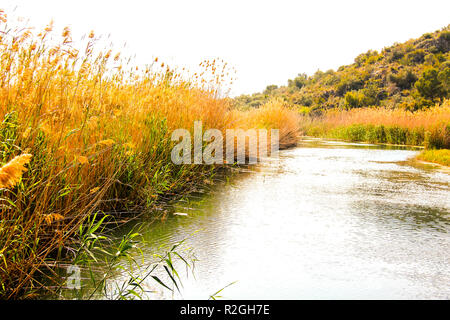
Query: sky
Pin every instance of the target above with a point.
(267, 42)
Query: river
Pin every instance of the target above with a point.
(326, 220)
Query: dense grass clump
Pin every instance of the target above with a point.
(436, 156)
(93, 132)
(273, 114)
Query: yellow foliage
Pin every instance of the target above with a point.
(437, 156)
(107, 142)
(94, 190)
(65, 101)
(11, 172)
(52, 217)
(426, 119)
(275, 114)
(82, 159)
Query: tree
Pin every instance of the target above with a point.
(270, 89)
(414, 57)
(404, 80)
(354, 99)
(444, 78)
(429, 85)
(299, 81)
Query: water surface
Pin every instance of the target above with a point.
(326, 220)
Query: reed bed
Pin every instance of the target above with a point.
(84, 131)
(275, 114)
(429, 127)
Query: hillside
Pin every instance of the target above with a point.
(412, 75)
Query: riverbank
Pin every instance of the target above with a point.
(441, 157)
(371, 217)
(85, 131)
(429, 128)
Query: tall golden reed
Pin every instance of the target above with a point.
(427, 118)
(11, 172)
(98, 128)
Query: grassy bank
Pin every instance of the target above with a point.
(83, 131)
(429, 128)
(436, 156)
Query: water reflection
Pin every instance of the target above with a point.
(325, 220)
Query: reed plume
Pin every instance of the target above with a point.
(11, 172)
(99, 128)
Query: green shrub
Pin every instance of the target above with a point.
(404, 79)
(438, 138)
(396, 135)
(429, 85)
(436, 156)
(414, 57)
(416, 136)
(375, 134)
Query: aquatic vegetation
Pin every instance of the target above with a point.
(98, 128)
(275, 114)
(117, 269)
(429, 127)
(436, 156)
(397, 96)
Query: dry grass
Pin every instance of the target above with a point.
(275, 114)
(426, 119)
(99, 132)
(429, 127)
(98, 128)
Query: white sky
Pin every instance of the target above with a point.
(267, 42)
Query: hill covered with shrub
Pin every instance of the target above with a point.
(413, 75)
